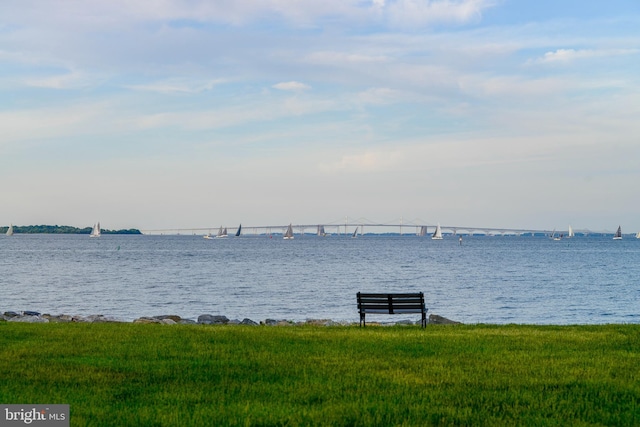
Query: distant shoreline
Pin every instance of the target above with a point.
(62, 229)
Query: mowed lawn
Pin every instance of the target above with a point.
(193, 375)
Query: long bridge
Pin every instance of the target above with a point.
(349, 227)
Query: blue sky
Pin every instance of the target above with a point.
(188, 113)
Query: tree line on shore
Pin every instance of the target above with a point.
(62, 229)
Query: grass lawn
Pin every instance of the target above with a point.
(193, 375)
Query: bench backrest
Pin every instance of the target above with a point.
(391, 303)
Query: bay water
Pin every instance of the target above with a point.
(486, 279)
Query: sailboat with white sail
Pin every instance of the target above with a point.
(288, 235)
(638, 235)
(571, 233)
(10, 230)
(423, 231)
(618, 235)
(95, 231)
(437, 235)
(222, 233)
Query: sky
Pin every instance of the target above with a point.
(164, 114)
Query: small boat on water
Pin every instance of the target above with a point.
(321, 231)
(288, 235)
(10, 230)
(95, 232)
(239, 230)
(355, 233)
(222, 233)
(618, 235)
(437, 235)
(571, 233)
(208, 236)
(638, 235)
(423, 231)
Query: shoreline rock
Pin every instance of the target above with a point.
(203, 319)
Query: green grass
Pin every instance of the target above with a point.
(181, 375)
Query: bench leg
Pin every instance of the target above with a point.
(362, 321)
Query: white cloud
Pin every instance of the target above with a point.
(570, 55)
(102, 13)
(71, 80)
(178, 85)
(369, 161)
(419, 13)
(339, 58)
(381, 96)
(291, 86)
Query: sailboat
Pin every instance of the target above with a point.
(638, 235)
(208, 236)
(423, 231)
(222, 233)
(618, 235)
(95, 232)
(554, 237)
(10, 230)
(239, 230)
(437, 235)
(355, 233)
(288, 235)
(571, 234)
(321, 231)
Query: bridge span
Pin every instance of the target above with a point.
(349, 228)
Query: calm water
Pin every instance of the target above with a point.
(585, 280)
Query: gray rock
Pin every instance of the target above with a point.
(187, 322)
(173, 317)
(29, 319)
(210, 319)
(10, 314)
(249, 322)
(439, 320)
(102, 319)
(30, 313)
(147, 320)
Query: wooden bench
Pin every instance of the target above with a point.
(391, 304)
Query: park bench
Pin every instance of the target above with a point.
(391, 304)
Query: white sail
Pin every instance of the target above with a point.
(437, 235)
(571, 234)
(618, 235)
(10, 230)
(638, 235)
(288, 235)
(95, 232)
(423, 231)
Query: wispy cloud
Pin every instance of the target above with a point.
(101, 13)
(178, 85)
(565, 56)
(291, 86)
